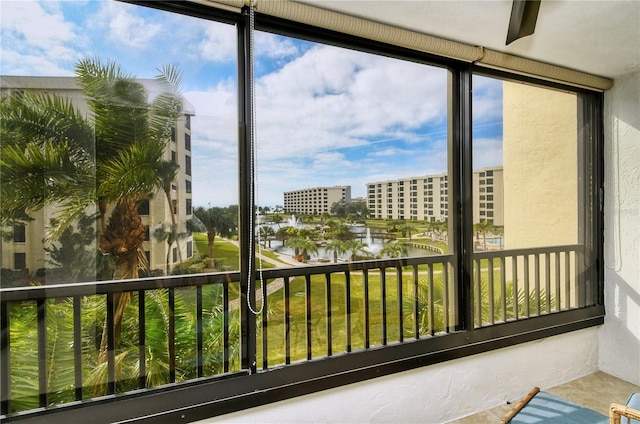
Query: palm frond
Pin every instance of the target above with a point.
(133, 172)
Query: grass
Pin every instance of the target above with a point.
(384, 326)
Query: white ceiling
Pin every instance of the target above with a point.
(598, 37)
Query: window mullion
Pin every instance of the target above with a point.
(246, 196)
(461, 199)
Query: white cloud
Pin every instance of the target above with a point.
(333, 97)
(218, 43)
(487, 100)
(126, 27)
(214, 135)
(274, 46)
(487, 152)
(36, 38)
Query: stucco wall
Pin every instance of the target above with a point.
(620, 336)
(443, 392)
(540, 166)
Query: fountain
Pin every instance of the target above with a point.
(367, 239)
(372, 247)
(293, 222)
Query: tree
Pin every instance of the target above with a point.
(340, 232)
(357, 248)
(302, 247)
(393, 225)
(337, 247)
(53, 155)
(339, 209)
(394, 250)
(265, 232)
(484, 228)
(277, 219)
(58, 157)
(167, 173)
(217, 220)
(407, 229)
(170, 234)
(358, 209)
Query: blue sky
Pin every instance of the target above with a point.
(325, 116)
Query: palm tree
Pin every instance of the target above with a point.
(53, 155)
(433, 322)
(407, 229)
(358, 248)
(170, 234)
(217, 220)
(303, 246)
(483, 228)
(167, 173)
(394, 250)
(277, 219)
(265, 232)
(337, 247)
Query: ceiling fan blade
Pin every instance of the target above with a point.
(524, 14)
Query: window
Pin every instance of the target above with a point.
(19, 233)
(187, 164)
(143, 207)
(317, 128)
(19, 261)
(520, 200)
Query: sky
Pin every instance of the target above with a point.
(325, 116)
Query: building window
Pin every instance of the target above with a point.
(173, 134)
(147, 235)
(19, 261)
(174, 203)
(187, 142)
(189, 249)
(19, 233)
(174, 253)
(187, 164)
(143, 207)
(173, 157)
(188, 207)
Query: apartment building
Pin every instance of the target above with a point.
(25, 249)
(426, 198)
(316, 200)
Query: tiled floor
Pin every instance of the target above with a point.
(595, 391)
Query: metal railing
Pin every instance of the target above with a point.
(185, 328)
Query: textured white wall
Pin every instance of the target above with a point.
(620, 336)
(443, 392)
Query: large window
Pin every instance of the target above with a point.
(364, 209)
(530, 152)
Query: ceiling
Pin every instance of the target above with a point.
(598, 37)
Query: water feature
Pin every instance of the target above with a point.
(293, 222)
(372, 247)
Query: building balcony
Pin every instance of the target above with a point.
(193, 345)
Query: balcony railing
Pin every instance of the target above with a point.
(66, 344)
